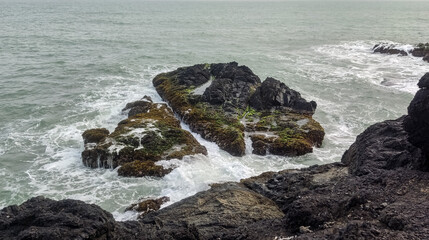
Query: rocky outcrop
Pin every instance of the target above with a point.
(395, 143)
(419, 50)
(225, 102)
(151, 133)
(378, 191)
(40, 218)
(417, 121)
(383, 145)
(274, 94)
(320, 202)
(214, 214)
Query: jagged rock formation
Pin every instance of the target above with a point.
(146, 206)
(419, 50)
(223, 102)
(417, 121)
(40, 218)
(378, 191)
(151, 133)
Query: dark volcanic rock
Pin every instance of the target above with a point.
(214, 214)
(389, 49)
(383, 145)
(151, 133)
(417, 121)
(378, 191)
(224, 101)
(419, 50)
(424, 81)
(273, 93)
(46, 219)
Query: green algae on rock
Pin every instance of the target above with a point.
(224, 102)
(151, 133)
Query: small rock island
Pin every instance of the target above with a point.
(224, 102)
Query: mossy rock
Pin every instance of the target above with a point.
(140, 168)
(95, 135)
(141, 140)
(225, 102)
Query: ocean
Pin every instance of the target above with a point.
(67, 66)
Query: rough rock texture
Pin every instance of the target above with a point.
(383, 145)
(320, 202)
(273, 93)
(389, 49)
(417, 121)
(151, 133)
(380, 190)
(146, 206)
(225, 102)
(40, 218)
(419, 50)
(214, 214)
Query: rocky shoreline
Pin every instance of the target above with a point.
(379, 190)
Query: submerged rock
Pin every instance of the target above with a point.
(419, 50)
(225, 102)
(151, 133)
(389, 48)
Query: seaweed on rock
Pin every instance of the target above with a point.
(150, 134)
(224, 102)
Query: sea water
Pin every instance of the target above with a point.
(67, 66)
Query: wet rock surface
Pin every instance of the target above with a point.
(40, 218)
(383, 145)
(320, 202)
(378, 191)
(419, 50)
(224, 102)
(417, 121)
(146, 206)
(273, 94)
(150, 133)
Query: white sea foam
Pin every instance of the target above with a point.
(359, 62)
(201, 89)
(56, 170)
